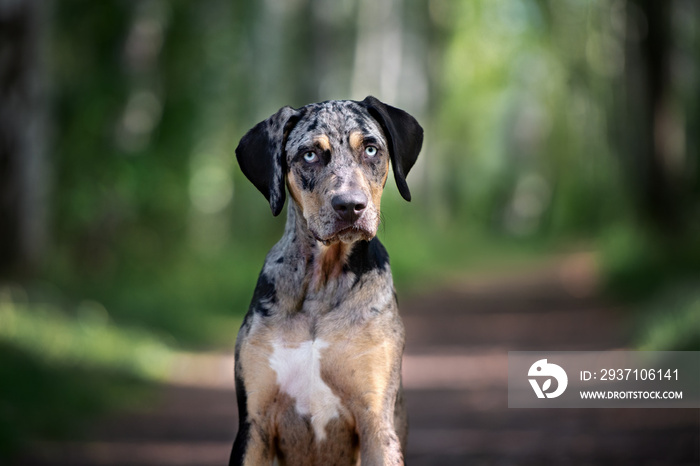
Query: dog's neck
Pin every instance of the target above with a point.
(312, 269)
(325, 263)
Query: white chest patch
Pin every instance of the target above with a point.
(298, 371)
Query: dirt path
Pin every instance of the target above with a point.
(455, 375)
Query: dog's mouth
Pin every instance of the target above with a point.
(347, 234)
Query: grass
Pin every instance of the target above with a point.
(40, 399)
(671, 321)
(638, 265)
(89, 341)
(194, 301)
(56, 370)
(659, 277)
(73, 348)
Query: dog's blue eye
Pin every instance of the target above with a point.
(310, 157)
(370, 151)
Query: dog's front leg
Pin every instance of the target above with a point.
(251, 448)
(253, 445)
(379, 444)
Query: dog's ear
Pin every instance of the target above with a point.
(405, 139)
(261, 155)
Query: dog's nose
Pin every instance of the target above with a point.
(349, 205)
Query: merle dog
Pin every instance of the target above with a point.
(318, 357)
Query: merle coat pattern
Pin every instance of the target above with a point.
(318, 357)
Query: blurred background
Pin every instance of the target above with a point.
(556, 130)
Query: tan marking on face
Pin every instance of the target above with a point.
(323, 142)
(356, 141)
(386, 174)
(377, 190)
(371, 189)
(293, 188)
(308, 201)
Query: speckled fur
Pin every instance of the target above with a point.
(328, 280)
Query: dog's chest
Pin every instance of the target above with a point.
(298, 367)
(317, 371)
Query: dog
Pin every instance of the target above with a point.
(318, 356)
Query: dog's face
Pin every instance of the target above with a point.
(337, 164)
(334, 158)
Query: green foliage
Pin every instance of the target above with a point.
(636, 263)
(522, 129)
(658, 276)
(89, 340)
(671, 321)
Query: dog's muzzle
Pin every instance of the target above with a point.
(349, 206)
(353, 219)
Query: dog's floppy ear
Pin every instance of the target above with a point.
(261, 155)
(405, 139)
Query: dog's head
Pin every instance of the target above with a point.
(334, 158)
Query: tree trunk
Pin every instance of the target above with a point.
(652, 124)
(22, 184)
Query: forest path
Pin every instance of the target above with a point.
(455, 377)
